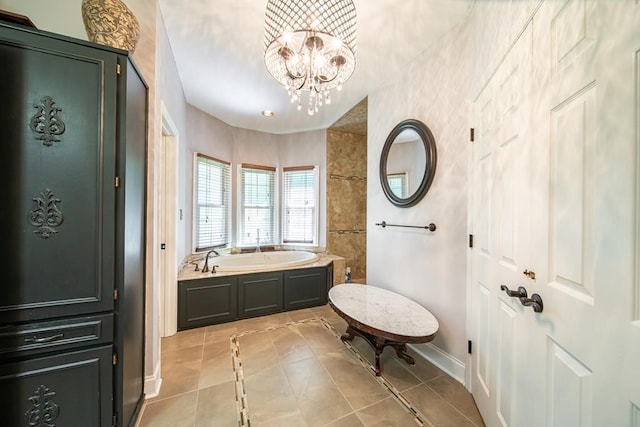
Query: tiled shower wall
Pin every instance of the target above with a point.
(347, 199)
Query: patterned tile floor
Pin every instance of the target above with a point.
(291, 369)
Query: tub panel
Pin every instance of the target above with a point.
(305, 288)
(207, 301)
(260, 294)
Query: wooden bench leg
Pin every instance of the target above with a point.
(380, 343)
(401, 352)
(349, 334)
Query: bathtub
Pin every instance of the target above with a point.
(263, 261)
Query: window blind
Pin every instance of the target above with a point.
(257, 205)
(398, 184)
(300, 213)
(212, 203)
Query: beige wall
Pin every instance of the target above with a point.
(347, 199)
(212, 137)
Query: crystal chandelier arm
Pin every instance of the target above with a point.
(303, 81)
(310, 46)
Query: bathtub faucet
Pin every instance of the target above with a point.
(205, 268)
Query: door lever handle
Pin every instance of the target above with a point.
(534, 302)
(520, 293)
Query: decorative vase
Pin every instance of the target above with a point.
(110, 23)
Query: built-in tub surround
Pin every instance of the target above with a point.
(229, 265)
(253, 285)
(264, 261)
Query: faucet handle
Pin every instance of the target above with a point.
(213, 269)
(196, 264)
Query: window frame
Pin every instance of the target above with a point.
(404, 180)
(316, 206)
(228, 212)
(275, 237)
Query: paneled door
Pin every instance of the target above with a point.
(554, 210)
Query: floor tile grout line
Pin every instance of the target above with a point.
(242, 413)
(323, 322)
(242, 404)
(420, 418)
(449, 403)
(240, 391)
(195, 410)
(242, 400)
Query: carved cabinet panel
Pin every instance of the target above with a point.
(66, 389)
(58, 123)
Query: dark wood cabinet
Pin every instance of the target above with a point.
(305, 288)
(212, 300)
(72, 306)
(260, 294)
(71, 388)
(207, 301)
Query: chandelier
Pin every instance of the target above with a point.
(310, 46)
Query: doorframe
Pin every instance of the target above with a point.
(167, 225)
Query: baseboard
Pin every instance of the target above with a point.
(152, 383)
(443, 360)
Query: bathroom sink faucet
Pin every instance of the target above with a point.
(205, 268)
(258, 240)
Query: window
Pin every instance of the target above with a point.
(257, 206)
(299, 201)
(398, 184)
(212, 210)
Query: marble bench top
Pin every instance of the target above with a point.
(384, 311)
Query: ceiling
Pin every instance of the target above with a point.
(218, 48)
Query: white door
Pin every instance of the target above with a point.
(555, 191)
(167, 226)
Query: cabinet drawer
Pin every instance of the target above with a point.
(67, 389)
(38, 337)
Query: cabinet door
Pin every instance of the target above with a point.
(58, 139)
(305, 288)
(204, 302)
(260, 294)
(68, 389)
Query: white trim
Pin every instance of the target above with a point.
(443, 360)
(277, 232)
(168, 171)
(282, 208)
(152, 384)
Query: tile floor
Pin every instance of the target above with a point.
(290, 369)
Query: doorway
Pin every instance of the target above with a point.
(167, 222)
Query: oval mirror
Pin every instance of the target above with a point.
(408, 163)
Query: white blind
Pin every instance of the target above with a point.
(300, 213)
(212, 203)
(257, 205)
(398, 184)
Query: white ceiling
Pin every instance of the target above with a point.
(218, 47)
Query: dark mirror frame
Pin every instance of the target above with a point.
(430, 167)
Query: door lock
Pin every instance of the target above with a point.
(530, 274)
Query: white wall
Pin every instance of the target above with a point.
(426, 267)
(173, 101)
